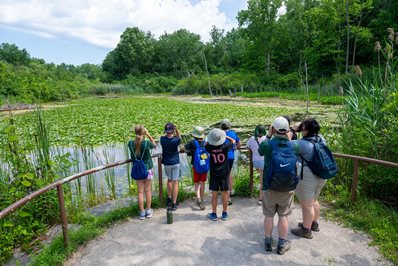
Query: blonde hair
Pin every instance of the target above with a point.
(139, 136)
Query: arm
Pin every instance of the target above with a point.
(150, 137)
(230, 139)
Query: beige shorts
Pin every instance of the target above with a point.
(310, 186)
(277, 202)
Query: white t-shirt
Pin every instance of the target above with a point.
(253, 146)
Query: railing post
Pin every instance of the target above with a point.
(354, 184)
(62, 210)
(251, 170)
(160, 174)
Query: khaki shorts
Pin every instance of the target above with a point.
(310, 186)
(277, 202)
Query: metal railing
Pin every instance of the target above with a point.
(58, 184)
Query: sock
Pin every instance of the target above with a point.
(281, 241)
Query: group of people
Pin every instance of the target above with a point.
(220, 144)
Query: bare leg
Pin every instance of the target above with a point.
(197, 190)
(224, 196)
(169, 188)
(202, 189)
(268, 226)
(307, 208)
(214, 195)
(260, 194)
(148, 193)
(283, 227)
(317, 210)
(175, 191)
(141, 185)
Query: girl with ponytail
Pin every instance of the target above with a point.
(142, 149)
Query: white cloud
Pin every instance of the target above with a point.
(101, 22)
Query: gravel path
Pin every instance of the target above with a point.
(195, 240)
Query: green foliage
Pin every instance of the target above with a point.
(242, 183)
(370, 216)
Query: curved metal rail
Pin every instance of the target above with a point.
(58, 184)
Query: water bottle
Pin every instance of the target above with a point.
(169, 216)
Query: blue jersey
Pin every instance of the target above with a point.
(233, 135)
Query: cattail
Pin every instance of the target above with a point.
(388, 50)
(391, 34)
(358, 70)
(377, 46)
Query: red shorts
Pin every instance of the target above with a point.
(199, 177)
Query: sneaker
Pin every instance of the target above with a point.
(229, 201)
(224, 216)
(314, 226)
(148, 213)
(201, 204)
(268, 244)
(212, 216)
(302, 232)
(232, 193)
(142, 215)
(169, 203)
(260, 202)
(283, 246)
(174, 206)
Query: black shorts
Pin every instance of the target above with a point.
(218, 183)
(230, 164)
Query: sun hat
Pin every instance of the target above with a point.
(198, 132)
(281, 125)
(216, 137)
(225, 124)
(169, 128)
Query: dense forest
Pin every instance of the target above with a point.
(277, 46)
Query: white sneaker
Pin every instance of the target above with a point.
(142, 215)
(149, 213)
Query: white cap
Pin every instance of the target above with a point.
(281, 125)
(216, 137)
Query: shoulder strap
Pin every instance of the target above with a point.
(142, 155)
(196, 144)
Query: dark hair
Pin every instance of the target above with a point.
(311, 125)
(224, 127)
(287, 118)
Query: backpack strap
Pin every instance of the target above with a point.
(196, 144)
(133, 151)
(142, 155)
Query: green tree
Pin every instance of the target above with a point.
(11, 54)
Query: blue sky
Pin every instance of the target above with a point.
(77, 32)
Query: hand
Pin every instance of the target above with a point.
(146, 132)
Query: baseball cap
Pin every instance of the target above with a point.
(169, 128)
(216, 137)
(225, 124)
(281, 125)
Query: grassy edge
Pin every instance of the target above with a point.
(372, 217)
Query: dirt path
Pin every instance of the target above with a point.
(195, 240)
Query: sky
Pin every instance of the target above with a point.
(85, 31)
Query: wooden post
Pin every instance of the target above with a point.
(160, 174)
(62, 210)
(251, 170)
(354, 184)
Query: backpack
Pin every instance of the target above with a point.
(201, 159)
(322, 162)
(282, 171)
(138, 171)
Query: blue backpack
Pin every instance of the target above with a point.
(322, 162)
(201, 159)
(138, 171)
(282, 171)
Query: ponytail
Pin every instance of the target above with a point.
(139, 136)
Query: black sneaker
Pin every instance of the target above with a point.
(268, 244)
(283, 247)
(229, 201)
(169, 203)
(314, 226)
(302, 232)
(174, 206)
